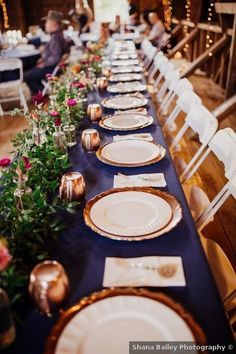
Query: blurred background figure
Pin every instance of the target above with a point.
(114, 27)
(81, 16)
(157, 32)
(133, 14)
(51, 54)
(145, 25)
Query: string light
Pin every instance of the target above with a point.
(167, 7)
(209, 40)
(5, 15)
(188, 19)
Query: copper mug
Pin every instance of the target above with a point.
(90, 140)
(49, 286)
(102, 83)
(106, 72)
(94, 112)
(72, 187)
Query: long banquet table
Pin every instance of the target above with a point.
(82, 252)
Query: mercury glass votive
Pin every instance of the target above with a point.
(94, 112)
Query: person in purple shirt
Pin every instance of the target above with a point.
(52, 52)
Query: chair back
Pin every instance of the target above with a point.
(172, 76)
(223, 145)
(188, 100)
(181, 86)
(12, 64)
(201, 121)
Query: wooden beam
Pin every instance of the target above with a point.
(204, 57)
(226, 108)
(231, 76)
(225, 8)
(179, 46)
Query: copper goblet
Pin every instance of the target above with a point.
(94, 112)
(49, 286)
(106, 72)
(90, 140)
(72, 187)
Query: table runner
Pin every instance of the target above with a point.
(82, 252)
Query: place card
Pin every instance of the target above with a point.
(144, 271)
(141, 180)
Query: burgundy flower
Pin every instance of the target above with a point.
(5, 162)
(54, 114)
(5, 256)
(62, 66)
(39, 98)
(84, 62)
(71, 102)
(27, 163)
(78, 84)
(57, 122)
(48, 76)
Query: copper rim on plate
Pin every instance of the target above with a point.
(103, 125)
(66, 316)
(170, 199)
(146, 163)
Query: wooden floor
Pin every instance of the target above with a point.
(211, 175)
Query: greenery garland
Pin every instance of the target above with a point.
(27, 230)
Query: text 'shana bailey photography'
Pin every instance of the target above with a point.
(178, 347)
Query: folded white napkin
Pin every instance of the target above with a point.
(135, 110)
(144, 271)
(142, 180)
(139, 136)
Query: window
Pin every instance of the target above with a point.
(106, 10)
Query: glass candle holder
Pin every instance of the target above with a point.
(102, 83)
(70, 134)
(90, 140)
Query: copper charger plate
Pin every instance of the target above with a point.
(103, 125)
(170, 199)
(67, 315)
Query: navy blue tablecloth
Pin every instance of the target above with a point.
(82, 252)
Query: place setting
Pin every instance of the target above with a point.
(124, 121)
(125, 77)
(125, 62)
(124, 102)
(126, 69)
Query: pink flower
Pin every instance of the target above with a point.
(27, 163)
(48, 76)
(57, 122)
(5, 256)
(54, 114)
(39, 98)
(71, 102)
(97, 58)
(5, 162)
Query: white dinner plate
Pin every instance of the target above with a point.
(125, 62)
(126, 121)
(124, 102)
(126, 69)
(126, 87)
(124, 56)
(107, 326)
(125, 77)
(131, 213)
(130, 152)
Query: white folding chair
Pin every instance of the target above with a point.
(176, 89)
(13, 64)
(170, 77)
(163, 69)
(153, 68)
(223, 145)
(186, 101)
(150, 54)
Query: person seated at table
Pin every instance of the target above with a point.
(133, 14)
(51, 54)
(145, 25)
(158, 29)
(114, 27)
